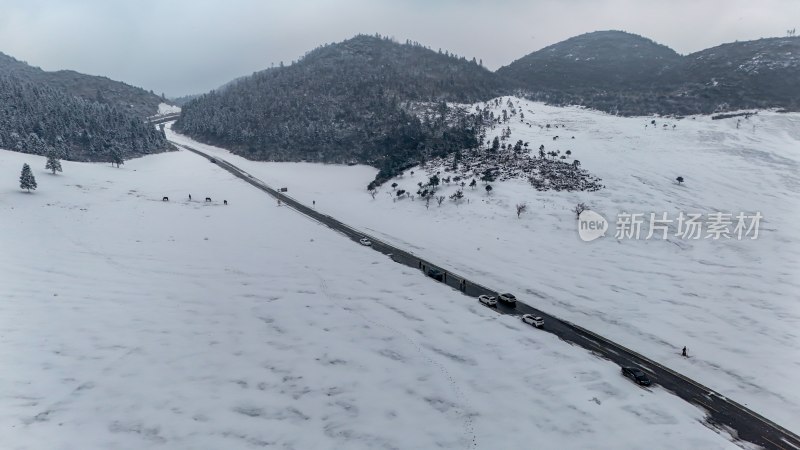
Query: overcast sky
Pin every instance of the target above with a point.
(191, 46)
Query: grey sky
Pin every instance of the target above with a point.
(191, 46)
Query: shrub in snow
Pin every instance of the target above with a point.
(521, 207)
(579, 208)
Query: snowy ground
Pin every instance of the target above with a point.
(131, 323)
(733, 303)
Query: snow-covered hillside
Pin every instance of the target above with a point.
(128, 322)
(165, 108)
(733, 303)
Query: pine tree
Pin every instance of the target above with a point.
(53, 163)
(26, 178)
(116, 157)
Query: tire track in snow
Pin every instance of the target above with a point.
(469, 425)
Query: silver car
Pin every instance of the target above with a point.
(488, 300)
(536, 321)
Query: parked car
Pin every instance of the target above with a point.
(365, 241)
(536, 321)
(508, 299)
(488, 300)
(637, 375)
(436, 274)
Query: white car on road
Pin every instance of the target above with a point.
(536, 321)
(365, 241)
(488, 300)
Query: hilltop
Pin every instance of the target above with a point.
(92, 88)
(626, 74)
(354, 101)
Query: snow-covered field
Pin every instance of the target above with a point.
(131, 323)
(733, 303)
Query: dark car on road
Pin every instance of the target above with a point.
(508, 299)
(436, 274)
(636, 374)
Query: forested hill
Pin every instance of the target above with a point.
(89, 87)
(372, 100)
(39, 115)
(355, 101)
(764, 73)
(38, 119)
(626, 74)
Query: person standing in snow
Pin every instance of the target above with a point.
(683, 353)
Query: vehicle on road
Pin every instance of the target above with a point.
(436, 274)
(637, 375)
(536, 321)
(488, 300)
(213, 160)
(508, 299)
(365, 241)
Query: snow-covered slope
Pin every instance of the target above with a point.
(733, 303)
(127, 322)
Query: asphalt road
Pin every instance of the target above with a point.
(722, 411)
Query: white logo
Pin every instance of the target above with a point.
(591, 225)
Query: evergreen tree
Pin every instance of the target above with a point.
(116, 157)
(53, 163)
(26, 178)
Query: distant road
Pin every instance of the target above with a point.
(153, 120)
(748, 425)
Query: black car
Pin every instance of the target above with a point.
(636, 374)
(213, 160)
(507, 298)
(436, 274)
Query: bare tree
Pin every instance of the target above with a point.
(521, 208)
(579, 208)
(440, 199)
(427, 202)
(373, 192)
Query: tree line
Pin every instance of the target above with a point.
(41, 120)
